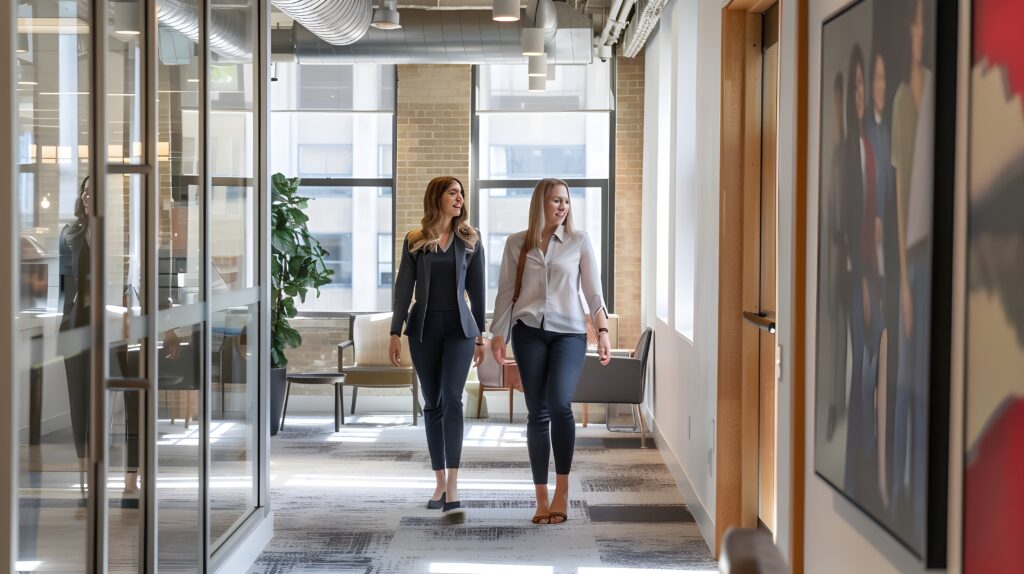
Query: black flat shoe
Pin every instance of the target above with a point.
(450, 507)
(435, 504)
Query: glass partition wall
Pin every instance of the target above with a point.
(139, 356)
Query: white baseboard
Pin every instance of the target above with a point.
(47, 425)
(705, 522)
(245, 552)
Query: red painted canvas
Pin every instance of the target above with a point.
(994, 439)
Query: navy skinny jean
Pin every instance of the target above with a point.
(549, 366)
(442, 362)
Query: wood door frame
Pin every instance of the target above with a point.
(736, 448)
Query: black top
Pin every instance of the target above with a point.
(443, 294)
(416, 277)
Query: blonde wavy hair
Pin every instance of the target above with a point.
(428, 237)
(540, 195)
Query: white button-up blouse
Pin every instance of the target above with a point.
(550, 295)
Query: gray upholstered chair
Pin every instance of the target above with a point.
(370, 365)
(622, 380)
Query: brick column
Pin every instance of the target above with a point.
(629, 151)
(434, 136)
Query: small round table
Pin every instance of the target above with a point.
(336, 379)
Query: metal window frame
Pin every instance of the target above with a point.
(379, 182)
(607, 185)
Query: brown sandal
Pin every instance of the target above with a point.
(545, 517)
(562, 515)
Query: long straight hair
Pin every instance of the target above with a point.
(427, 236)
(540, 195)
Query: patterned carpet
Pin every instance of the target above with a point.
(353, 502)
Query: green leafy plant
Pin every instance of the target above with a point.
(297, 264)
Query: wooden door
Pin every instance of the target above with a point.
(767, 405)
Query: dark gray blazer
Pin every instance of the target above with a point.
(414, 273)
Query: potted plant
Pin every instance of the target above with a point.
(296, 266)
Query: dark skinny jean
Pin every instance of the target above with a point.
(442, 362)
(549, 366)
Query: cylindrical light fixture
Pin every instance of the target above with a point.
(386, 17)
(538, 66)
(533, 41)
(537, 83)
(506, 11)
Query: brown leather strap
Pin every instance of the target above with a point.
(519, 274)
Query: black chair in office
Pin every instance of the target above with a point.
(621, 381)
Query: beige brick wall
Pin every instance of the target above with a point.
(629, 151)
(434, 135)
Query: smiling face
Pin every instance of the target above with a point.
(556, 206)
(86, 196)
(452, 200)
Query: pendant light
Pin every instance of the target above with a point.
(538, 66)
(386, 17)
(533, 41)
(505, 11)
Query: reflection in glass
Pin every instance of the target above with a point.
(124, 244)
(506, 211)
(124, 83)
(235, 418)
(180, 292)
(52, 340)
(179, 449)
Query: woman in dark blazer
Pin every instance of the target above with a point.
(442, 262)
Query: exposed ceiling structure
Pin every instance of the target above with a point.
(457, 31)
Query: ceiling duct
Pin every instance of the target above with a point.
(640, 28)
(451, 37)
(230, 38)
(337, 22)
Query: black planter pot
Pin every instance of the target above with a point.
(278, 386)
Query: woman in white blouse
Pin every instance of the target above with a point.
(538, 305)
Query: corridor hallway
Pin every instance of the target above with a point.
(354, 501)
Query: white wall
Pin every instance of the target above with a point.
(839, 538)
(683, 66)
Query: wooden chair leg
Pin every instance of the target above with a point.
(586, 414)
(188, 407)
(355, 393)
(479, 399)
(510, 406)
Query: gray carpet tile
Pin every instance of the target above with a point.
(354, 501)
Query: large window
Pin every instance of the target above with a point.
(333, 126)
(523, 136)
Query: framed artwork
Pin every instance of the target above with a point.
(884, 279)
(994, 366)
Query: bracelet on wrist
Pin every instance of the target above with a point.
(603, 330)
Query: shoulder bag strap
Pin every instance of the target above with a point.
(519, 273)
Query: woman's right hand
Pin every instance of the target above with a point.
(395, 351)
(498, 349)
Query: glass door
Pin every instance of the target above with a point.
(137, 355)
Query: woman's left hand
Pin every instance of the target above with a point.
(604, 348)
(478, 353)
